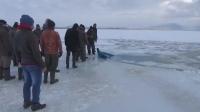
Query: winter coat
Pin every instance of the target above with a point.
(72, 40)
(50, 42)
(27, 48)
(82, 38)
(95, 33)
(90, 35)
(12, 34)
(5, 42)
(38, 33)
(67, 37)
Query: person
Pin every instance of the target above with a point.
(95, 32)
(83, 42)
(29, 57)
(91, 40)
(5, 52)
(52, 49)
(38, 32)
(44, 27)
(12, 33)
(72, 44)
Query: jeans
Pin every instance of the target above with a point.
(32, 77)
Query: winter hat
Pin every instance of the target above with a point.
(75, 26)
(26, 19)
(2, 22)
(50, 23)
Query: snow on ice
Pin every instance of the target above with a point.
(152, 71)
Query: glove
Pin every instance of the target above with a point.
(59, 54)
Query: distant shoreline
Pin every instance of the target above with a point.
(142, 29)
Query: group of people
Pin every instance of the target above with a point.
(26, 48)
(76, 40)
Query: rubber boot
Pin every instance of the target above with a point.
(74, 60)
(45, 77)
(20, 76)
(52, 78)
(57, 70)
(1, 73)
(7, 76)
(67, 61)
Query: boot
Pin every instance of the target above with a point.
(37, 106)
(54, 81)
(57, 70)
(74, 66)
(27, 104)
(45, 77)
(67, 62)
(20, 76)
(6, 72)
(1, 73)
(52, 78)
(74, 61)
(67, 66)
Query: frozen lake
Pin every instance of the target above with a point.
(152, 71)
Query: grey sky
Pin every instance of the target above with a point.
(104, 12)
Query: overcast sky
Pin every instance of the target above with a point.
(124, 13)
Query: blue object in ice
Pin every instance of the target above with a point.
(103, 55)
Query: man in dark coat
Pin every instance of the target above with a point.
(95, 32)
(72, 44)
(5, 51)
(12, 33)
(38, 32)
(83, 42)
(91, 40)
(29, 57)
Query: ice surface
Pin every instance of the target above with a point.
(143, 76)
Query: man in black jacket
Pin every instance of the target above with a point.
(95, 32)
(92, 38)
(38, 32)
(12, 33)
(5, 51)
(72, 44)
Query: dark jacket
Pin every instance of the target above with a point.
(67, 37)
(38, 33)
(72, 40)
(82, 38)
(12, 34)
(5, 42)
(90, 35)
(95, 33)
(27, 48)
